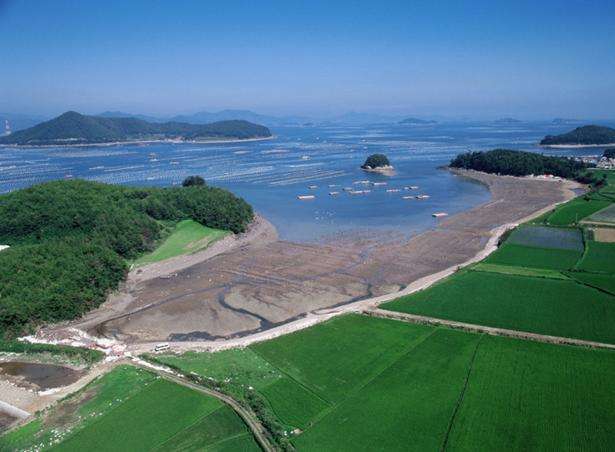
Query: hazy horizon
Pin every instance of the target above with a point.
(477, 61)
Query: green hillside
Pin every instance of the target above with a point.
(70, 241)
(74, 128)
(585, 135)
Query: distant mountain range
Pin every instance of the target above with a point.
(205, 117)
(74, 128)
(504, 121)
(582, 136)
(416, 122)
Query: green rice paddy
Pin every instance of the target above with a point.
(537, 305)
(442, 389)
(576, 210)
(131, 409)
(187, 237)
(599, 257)
(533, 257)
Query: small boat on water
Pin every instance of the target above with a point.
(348, 189)
(174, 163)
(305, 157)
(393, 190)
(378, 184)
(358, 192)
(414, 187)
(333, 185)
(439, 214)
(364, 182)
(334, 193)
(305, 197)
(312, 187)
(408, 197)
(422, 197)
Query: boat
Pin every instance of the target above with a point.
(333, 185)
(422, 197)
(334, 193)
(312, 187)
(393, 190)
(174, 163)
(305, 197)
(439, 214)
(348, 189)
(408, 197)
(305, 157)
(414, 187)
(357, 182)
(378, 184)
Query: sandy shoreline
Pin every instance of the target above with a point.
(136, 142)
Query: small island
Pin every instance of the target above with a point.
(581, 137)
(378, 163)
(72, 128)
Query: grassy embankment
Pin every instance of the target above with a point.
(361, 383)
(133, 409)
(186, 237)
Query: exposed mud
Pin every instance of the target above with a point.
(265, 283)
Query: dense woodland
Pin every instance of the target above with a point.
(519, 163)
(586, 135)
(74, 128)
(70, 240)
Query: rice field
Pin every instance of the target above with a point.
(576, 210)
(537, 305)
(443, 389)
(188, 236)
(606, 215)
(546, 237)
(599, 257)
(131, 409)
(533, 257)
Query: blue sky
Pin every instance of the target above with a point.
(480, 58)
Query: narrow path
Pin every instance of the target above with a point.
(251, 421)
(413, 318)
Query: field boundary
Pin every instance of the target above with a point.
(493, 331)
(462, 394)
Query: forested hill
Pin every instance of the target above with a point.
(74, 128)
(586, 135)
(70, 241)
(518, 163)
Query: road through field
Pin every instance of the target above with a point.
(424, 320)
(251, 421)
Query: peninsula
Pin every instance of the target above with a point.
(582, 136)
(72, 128)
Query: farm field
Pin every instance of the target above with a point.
(524, 395)
(575, 211)
(606, 215)
(537, 305)
(130, 409)
(519, 271)
(529, 256)
(547, 237)
(418, 394)
(188, 236)
(599, 258)
(599, 280)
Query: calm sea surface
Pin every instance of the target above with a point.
(270, 174)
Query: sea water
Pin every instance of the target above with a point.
(271, 174)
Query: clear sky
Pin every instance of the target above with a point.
(478, 58)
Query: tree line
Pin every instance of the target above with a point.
(70, 241)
